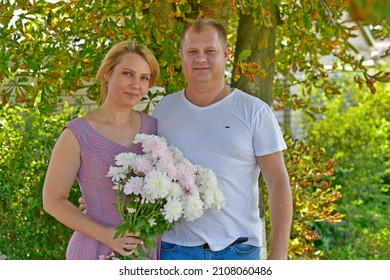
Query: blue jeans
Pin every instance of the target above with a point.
(170, 251)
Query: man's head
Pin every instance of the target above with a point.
(204, 53)
(200, 24)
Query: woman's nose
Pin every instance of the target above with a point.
(135, 82)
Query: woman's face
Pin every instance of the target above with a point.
(129, 80)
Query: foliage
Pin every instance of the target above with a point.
(314, 197)
(307, 34)
(354, 131)
(53, 48)
(26, 231)
(50, 49)
(371, 10)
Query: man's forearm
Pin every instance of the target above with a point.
(280, 203)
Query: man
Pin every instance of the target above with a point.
(234, 134)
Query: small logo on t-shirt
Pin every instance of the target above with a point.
(228, 126)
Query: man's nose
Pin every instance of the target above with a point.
(201, 57)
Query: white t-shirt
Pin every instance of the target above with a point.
(225, 137)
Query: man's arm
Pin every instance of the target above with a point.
(275, 175)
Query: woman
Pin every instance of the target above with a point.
(87, 148)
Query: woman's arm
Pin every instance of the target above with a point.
(61, 174)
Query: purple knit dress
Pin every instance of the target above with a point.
(97, 155)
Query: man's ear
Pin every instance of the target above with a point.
(226, 53)
(181, 54)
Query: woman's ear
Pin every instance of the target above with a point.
(106, 74)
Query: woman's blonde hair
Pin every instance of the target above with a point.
(113, 58)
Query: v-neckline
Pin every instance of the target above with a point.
(108, 139)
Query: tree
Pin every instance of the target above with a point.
(60, 45)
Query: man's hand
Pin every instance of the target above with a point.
(82, 206)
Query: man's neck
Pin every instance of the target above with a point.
(204, 96)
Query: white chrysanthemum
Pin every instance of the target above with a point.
(141, 137)
(219, 199)
(152, 222)
(125, 159)
(157, 185)
(193, 208)
(173, 210)
(208, 187)
(117, 173)
(207, 196)
(199, 175)
(176, 153)
(206, 177)
(131, 210)
(176, 190)
(134, 185)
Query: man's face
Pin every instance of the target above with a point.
(203, 56)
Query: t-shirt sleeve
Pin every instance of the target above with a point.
(267, 136)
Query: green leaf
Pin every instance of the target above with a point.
(244, 54)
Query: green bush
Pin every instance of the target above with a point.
(27, 232)
(314, 197)
(355, 131)
(27, 138)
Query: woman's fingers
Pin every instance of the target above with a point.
(132, 234)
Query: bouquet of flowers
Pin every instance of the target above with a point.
(157, 188)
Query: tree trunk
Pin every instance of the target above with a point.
(163, 12)
(260, 39)
(216, 9)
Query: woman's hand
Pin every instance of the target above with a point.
(124, 245)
